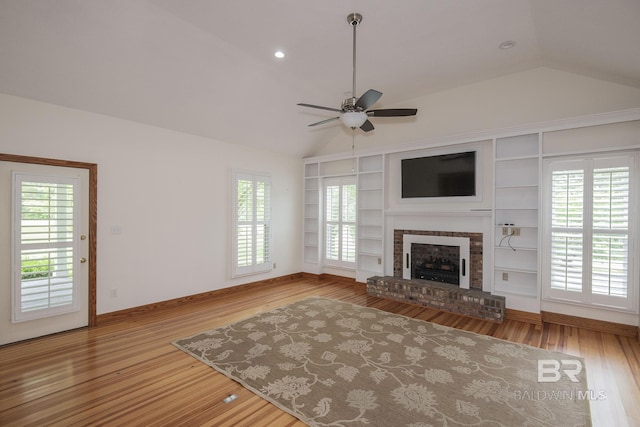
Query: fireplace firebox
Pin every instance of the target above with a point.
(436, 258)
(437, 263)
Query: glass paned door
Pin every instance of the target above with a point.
(45, 265)
(45, 247)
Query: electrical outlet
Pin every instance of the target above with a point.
(379, 260)
(274, 265)
(114, 293)
(510, 231)
(505, 276)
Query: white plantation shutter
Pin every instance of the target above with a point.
(349, 223)
(252, 223)
(340, 222)
(567, 192)
(263, 222)
(610, 246)
(332, 224)
(45, 219)
(566, 261)
(590, 221)
(610, 265)
(244, 218)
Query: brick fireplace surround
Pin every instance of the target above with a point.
(475, 252)
(443, 296)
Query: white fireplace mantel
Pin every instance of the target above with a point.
(452, 220)
(448, 213)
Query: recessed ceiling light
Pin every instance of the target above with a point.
(507, 44)
(279, 54)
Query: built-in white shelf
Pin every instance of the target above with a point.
(517, 147)
(370, 163)
(520, 260)
(516, 204)
(369, 171)
(518, 284)
(370, 217)
(522, 217)
(528, 239)
(311, 214)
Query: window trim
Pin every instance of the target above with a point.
(254, 267)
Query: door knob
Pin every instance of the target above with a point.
(83, 260)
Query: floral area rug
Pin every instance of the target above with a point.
(332, 363)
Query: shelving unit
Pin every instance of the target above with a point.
(311, 250)
(370, 182)
(370, 217)
(516, 204)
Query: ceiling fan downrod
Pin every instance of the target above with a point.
(354, 19)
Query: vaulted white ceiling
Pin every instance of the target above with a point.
(206, 67)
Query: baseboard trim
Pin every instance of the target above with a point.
(510, 314)
(523, 316)
(592, 324)
(335, 278)
(143, 309)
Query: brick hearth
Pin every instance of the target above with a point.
(472, 302)
(442, 296)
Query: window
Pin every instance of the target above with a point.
(340, 222)
(252, 223)
(45, 220)
(588, 228)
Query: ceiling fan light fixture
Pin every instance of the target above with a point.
(354, 119)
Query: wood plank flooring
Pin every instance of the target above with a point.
(126, 372)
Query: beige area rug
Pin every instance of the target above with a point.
(331, 363)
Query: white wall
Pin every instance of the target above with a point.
(169, 193)
(538, 95)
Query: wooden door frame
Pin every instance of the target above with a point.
(93, 215)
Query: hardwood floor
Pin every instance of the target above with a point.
(126, 372)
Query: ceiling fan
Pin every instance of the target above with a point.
(355, 112)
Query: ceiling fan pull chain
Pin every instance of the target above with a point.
(353, 149)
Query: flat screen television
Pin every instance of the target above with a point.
(447, 175)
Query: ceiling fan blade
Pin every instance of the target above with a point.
(320, 107)
(324, 121)
(367, 126)
(393, 112)
(368, 98)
